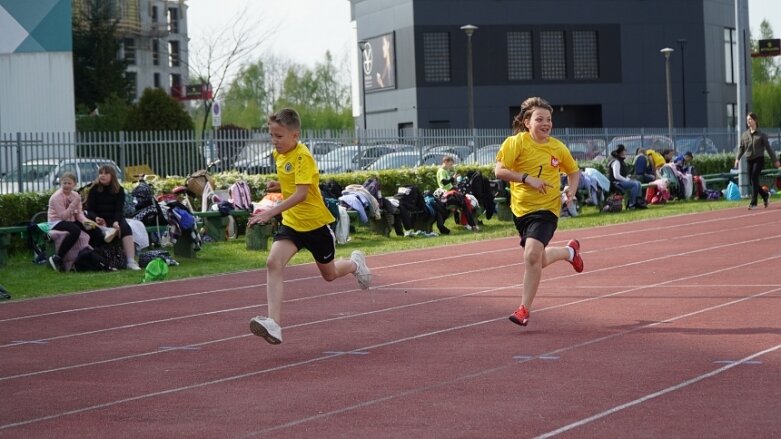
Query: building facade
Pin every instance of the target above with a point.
(155, 44)
(36, 67)
(598, 62)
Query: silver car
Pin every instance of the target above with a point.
(41, 175)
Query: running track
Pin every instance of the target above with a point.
(673, 330)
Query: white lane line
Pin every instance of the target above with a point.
(456, 255)
(662, 392)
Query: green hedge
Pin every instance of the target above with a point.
(19, 208)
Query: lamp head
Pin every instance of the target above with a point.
(469, 29)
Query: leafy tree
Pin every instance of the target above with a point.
(221, 51)
(156, 111)
(98, 72)
(107, 116)
(766, 83)
(322, 100)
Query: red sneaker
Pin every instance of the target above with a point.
(520, 316)
(577, 261)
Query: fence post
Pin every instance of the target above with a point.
(19, 160)
(122, 159)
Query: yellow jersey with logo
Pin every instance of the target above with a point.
(656, 158)
(547, 161)
(295, 167)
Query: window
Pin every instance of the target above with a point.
(154, 14)
(156, 52)
(730, 53)
(436, 57)
(173, 54)
(156, 77)
(585, 55)
(519, 56)
(553, 55)
(173, 20)
(732, 115)
(132, 79)
(129, 45)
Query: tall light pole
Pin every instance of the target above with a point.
(682, 44)
(469, 30)
(666, 52)
(366, 61)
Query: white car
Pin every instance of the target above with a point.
(41, 175)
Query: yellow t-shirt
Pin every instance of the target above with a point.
(547, 161)
(656, 158)
(295, 167)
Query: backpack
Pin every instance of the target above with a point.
(372, 185)
(241, 195)
(143, 195)
(331, 189)
(614, 203)
(156, 269)
(90, 260)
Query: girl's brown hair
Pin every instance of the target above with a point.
(527, 107)
(114, 185)
(755, 117)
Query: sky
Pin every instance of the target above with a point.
(306, 29)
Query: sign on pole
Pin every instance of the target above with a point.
(216, 114)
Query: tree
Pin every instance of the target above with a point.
(214, 59)
(764, 69)
(107, 116)
(156, 111)
(97, 71)
(322, 100)
(766, 83)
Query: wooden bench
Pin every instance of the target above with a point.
(7, 232)
(215, 222)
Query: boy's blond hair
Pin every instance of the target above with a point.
(288, 118)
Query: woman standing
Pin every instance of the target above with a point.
(532, 162)
(105, 204)
(754, 143)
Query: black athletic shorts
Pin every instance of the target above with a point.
(539, 225)
(320, 242)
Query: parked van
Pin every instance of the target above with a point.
(41, 175)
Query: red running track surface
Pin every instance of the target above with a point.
(672, 330)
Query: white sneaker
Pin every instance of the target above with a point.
(133, 265)
(267, 328)
(109, 234)
(362, 273)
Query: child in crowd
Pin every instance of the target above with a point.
(66, 214)
(532, 161)
(305, 220)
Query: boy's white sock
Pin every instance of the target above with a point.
(571, 253)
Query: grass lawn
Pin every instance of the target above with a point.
(23, 279)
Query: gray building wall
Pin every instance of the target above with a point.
(631, 87)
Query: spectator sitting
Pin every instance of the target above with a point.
(644, 168)
(446, 174)
(618, 172)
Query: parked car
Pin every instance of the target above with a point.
(320, 148)
(351, 158)
(409, 159)
(587, 149)
(256, 158)
(42, 175)
(695, 144)
(461, 151)
(649, 141)
(484, 156)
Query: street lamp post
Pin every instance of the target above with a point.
(666, 52)
(469, 30)
(682, 44)
(365, 61)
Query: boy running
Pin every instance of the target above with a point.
(305, 220)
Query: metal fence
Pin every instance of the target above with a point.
(34, 161)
